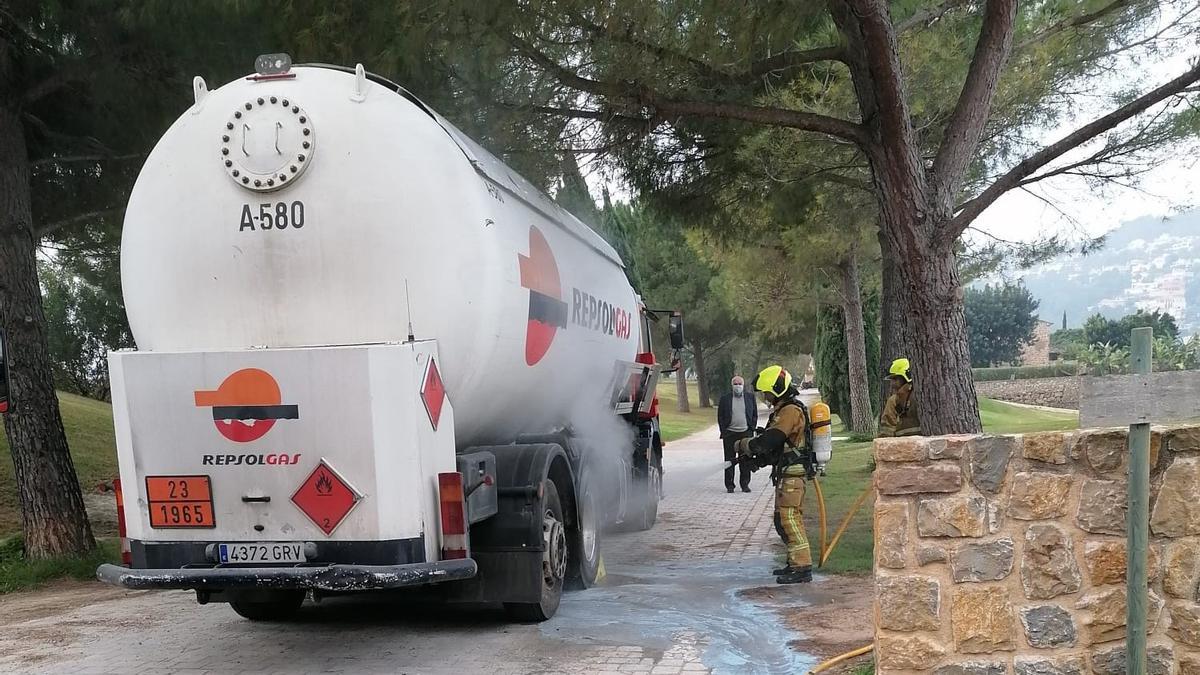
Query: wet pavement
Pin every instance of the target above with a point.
(692, 595)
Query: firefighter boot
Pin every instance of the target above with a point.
(786, 569)
(795, 575)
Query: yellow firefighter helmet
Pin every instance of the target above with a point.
(773, 380)
(900, 369)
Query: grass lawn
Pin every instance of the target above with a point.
(89, 428)
(850, 473)
(17, 574)
(675, 424)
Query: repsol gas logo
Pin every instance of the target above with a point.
(271, 459)
(596, 314)
(548, 312)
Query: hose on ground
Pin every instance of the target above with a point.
(838, 659)
(826, 551)
(821, 520)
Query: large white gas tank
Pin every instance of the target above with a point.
(322, 208)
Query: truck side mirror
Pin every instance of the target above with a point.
(675, 326)
(4, 405)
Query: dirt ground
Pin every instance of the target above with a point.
(837, 620)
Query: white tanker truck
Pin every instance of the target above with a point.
(370, 356)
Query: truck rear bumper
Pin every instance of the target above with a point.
(324, 578)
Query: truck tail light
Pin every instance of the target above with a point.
(126, 553)
(454, 516)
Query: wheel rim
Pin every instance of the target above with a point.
(554, 559)
(587, 529)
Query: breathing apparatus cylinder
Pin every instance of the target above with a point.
(822, 435)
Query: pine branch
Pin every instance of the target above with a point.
(1030, 165)
(974, 105)
(663, 106)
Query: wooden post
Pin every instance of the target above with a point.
(1138, 519)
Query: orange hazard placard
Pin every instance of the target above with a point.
(180, 501)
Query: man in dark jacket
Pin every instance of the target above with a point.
(737, 416)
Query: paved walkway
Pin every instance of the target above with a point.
(692, 595)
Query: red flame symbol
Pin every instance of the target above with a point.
(324, 485)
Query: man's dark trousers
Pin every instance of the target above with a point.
(732, 437)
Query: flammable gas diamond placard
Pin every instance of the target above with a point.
(326, 498)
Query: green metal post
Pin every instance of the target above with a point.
(1138, 523)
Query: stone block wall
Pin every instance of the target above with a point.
(1006, 554)
(1053, 392)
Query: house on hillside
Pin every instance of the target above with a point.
(1037, 353)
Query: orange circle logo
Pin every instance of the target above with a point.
(246, 405)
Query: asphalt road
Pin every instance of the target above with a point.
(692, 595)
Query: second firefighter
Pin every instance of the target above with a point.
(783, 446)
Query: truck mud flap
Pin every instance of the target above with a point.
(326, 578)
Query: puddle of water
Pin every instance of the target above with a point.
(691, 611)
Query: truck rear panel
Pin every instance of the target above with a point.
(328, 454)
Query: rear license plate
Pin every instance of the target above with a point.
(265, 552)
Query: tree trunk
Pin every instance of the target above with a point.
(681, 392)
(53, 517)
(862, 422)
(934, 303)
(895, 339)
(701, 375)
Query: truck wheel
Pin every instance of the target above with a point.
(585, 538)
(553, 565)
(649, 488)
(281, 607)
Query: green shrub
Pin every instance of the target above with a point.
(1061, 369)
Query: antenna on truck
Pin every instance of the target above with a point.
(408, 304)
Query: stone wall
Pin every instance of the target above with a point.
(1055, 392)
(1006, 554)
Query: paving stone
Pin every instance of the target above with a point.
(891, 533)
(1048, 567)
(1105, 450)
(1177, 510)
(973, 668)
(956, 516)
(1181, 575)
(1035, 665)
(989, 457)
(1102, 506)
(1048, 626)
(1111, 661)
(931, 554)
(981, 620)
(904, 449)
(914, 653)
(990, 561)
(907, 479)
(908, 603)
(1184, 439)
(953, 446)
(1050, 447)
(1106, 564)
(1185, 623)
(1105, 620)
(1039, 496)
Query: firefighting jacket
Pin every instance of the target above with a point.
(900, 414)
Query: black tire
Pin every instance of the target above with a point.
(552, 567)
(648, 488)
(584, 565)
(281, 608)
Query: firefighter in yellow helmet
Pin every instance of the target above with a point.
(900, 412)
(783, 446)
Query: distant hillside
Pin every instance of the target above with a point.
(1146, 263)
